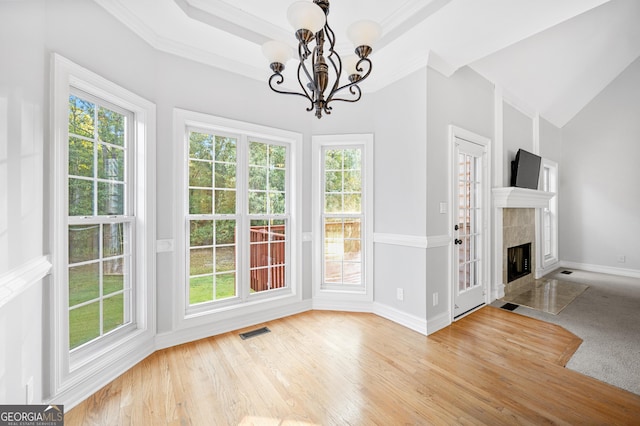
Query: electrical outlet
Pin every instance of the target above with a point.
(622, 259)
(400, 294)
(435, 299)
(443, 208)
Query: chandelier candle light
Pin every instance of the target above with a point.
(310, 22)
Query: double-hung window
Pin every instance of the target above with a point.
(343, 208)
(100, 218)
(102, 224)
(239, 212)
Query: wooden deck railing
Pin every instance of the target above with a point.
(267, 265)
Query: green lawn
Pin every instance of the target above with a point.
(84, 322)
(201, 288)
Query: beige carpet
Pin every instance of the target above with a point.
(546, 295)
(607, 318)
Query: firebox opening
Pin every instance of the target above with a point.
(518, 261)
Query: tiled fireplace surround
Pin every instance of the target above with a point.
(518, 227)
(516, 218)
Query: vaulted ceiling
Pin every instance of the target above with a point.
(553, 56)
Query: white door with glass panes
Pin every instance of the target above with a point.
(469, 211)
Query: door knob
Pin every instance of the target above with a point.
(457, 241)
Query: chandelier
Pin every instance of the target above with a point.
(319, 63)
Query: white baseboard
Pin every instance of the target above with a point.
(179, 337)
(342, 305)
(623, 272)
(407, 320)
(542, 271)
(91, 384)
(438, 322)
(497, 292)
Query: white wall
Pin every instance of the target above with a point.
(465, 100)
(22, 106)
(401, 192)
(550, 141)
(200, 88)
(411, 179)
(517, 133)
(600, 195)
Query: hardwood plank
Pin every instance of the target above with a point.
(334, 368)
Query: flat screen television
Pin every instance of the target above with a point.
(525, 170)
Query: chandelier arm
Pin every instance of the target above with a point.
(354, 84)
(354, 89)
(278, 78)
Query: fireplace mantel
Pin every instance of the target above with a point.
(513, 197)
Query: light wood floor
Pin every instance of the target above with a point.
(335, 368)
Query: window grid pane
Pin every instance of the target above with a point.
(268, 253)
(212, 260)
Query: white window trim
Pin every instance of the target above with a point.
(72, 378)
(348, 298)
(186, 318)
(546, 263)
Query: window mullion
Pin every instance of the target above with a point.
(242, 209)
(95, 160)
(101, 277)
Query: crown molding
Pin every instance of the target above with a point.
(224, 16)
(129, 20)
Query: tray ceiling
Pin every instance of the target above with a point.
(553, 56)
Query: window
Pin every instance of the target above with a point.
(344, 212)
(100, 218)
(239, 212)
(549, 217)
(102, 224)
(212, 217)
(342, 216)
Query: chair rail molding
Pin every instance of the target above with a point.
(18, 280)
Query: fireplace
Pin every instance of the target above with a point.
(519, 247)
(515, 225)
(518, 261)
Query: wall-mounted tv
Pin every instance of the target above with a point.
(525, 170)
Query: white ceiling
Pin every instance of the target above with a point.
(552, 56)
